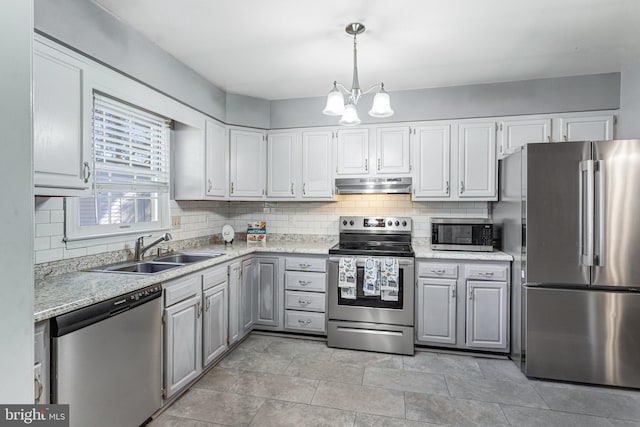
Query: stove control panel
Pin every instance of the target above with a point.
(375, 224)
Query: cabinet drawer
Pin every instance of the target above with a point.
(181, 289)
(307, 301)
(304, 321)
(437, 270)
(300, 281)
(306, 264)
(486, 272)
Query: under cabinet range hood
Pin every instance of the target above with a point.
(373, 185)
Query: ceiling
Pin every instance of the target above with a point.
(281, 49)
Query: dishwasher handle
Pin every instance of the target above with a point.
(83, 317)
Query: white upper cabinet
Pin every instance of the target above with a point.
(247, 164)
(62, 103)
(317, 172)
(392, 150)
(282, 156)
(353, 152)
(584, 128)
(516, 133)
(217, 159)
(477, 160)
(433, 153)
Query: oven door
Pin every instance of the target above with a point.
(371, 308)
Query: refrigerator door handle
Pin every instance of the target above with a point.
(600, 196)
(586, 220)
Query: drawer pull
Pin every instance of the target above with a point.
(304, 282)
(304, 265)
(441, 272)
(304, 322)
(486, 273)
(304, 302)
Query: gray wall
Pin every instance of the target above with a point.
(563, 94)
(629, 118)
(248, 111)
(90, 29)
(16, 193)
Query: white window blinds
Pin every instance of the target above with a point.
(130, 147)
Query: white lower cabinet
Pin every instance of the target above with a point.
(183, 344)
(41, 363)
(195, 325)
(215, 316)
(242, 299)
(267, 288)
(437, 314)
(305, 283)
(487, 314)
(463, 305)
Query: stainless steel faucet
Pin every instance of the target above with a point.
(141, 249)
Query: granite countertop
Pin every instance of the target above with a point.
(61, 294)
(425, 251)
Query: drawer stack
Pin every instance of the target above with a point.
(305, 284)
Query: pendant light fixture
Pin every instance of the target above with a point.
(335, 99)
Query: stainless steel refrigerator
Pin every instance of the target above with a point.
(570, 216)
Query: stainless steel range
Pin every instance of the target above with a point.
(371, 286)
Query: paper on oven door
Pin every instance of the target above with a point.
(389, 295)
(389, 271)
(348, 293)
(371, 282)
(347, 273)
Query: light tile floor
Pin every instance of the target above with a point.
(274, 381)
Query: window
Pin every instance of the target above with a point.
(131, 166)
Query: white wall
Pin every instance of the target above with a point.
(83, 25)
(555, 95)
(16, 193)
(629, 117)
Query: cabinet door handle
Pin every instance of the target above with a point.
(40, 388)
(292, 192)
(378, 164)
(232, 188)
(470, 293)
(461, 187)
(366, 164)
(198, 310)
(565, 138)
(210, 185)
(86, 172)
(263, 191)
(453, 292)
(446, 188)
(549, 138)
(206, 308)
(304, 188)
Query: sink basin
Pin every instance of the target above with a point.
(186, 258)
(139, 268)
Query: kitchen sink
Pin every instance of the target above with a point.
(149, 267)
(186, 258)
(157, 265)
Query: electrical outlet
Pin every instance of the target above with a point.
(176, 222)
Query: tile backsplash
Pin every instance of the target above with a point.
(204, 218)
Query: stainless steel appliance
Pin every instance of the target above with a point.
(569, 214)
(466, 234)
(369, 322)
(373, 185)
(107, 360)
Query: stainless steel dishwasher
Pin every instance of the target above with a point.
(106, 360)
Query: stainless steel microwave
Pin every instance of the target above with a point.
(466, 234)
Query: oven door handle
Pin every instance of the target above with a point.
(404, 261)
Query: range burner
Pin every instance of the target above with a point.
(369, 236)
